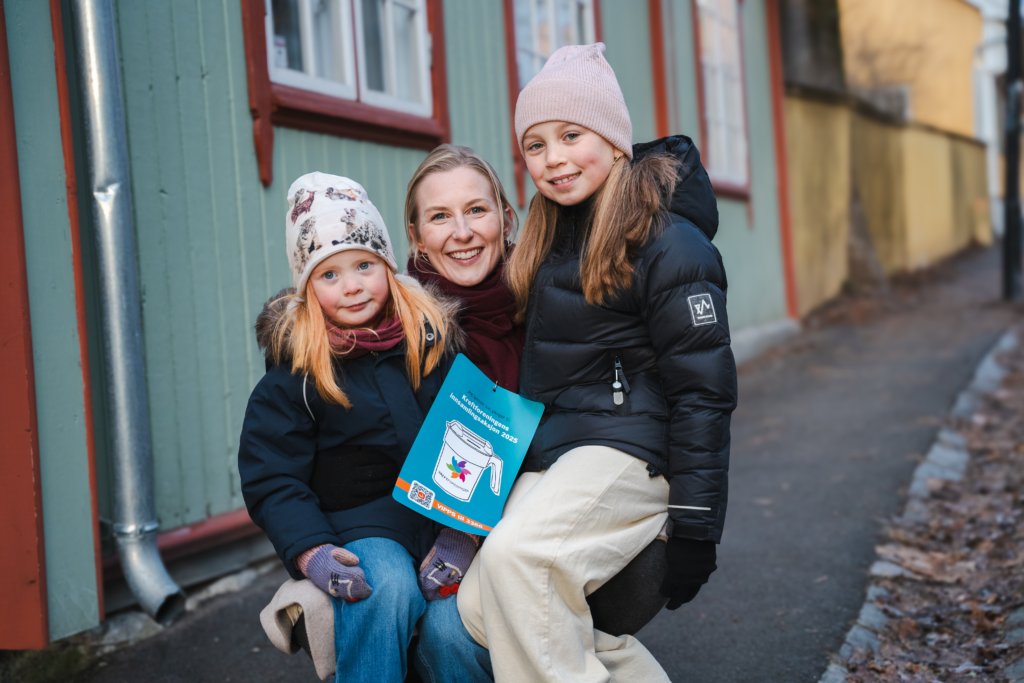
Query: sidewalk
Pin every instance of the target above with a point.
(828, 431)
(827, 434)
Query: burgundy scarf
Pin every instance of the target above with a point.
(359, 342)
(494, 342)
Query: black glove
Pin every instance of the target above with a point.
(690, 564)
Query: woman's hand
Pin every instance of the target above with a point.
(333, 570)
(690, 564)
(446, 563)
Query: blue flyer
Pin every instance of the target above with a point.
(461, 466)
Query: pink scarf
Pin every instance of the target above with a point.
(359, 342)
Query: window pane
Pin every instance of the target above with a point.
(564, 20)
(543, 35)
(405, 59)
(373, 44)
(324, 41)
(287, 35)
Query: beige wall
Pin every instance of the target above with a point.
(923, 192)
(818, 148)
(928, 44)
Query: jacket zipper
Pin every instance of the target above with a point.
(620, 384)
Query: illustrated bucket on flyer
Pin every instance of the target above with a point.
(474, 431)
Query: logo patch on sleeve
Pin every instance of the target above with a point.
(702, 310)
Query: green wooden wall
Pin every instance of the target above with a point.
(60, 399)
(748, 239)
(210, 237)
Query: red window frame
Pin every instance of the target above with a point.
(722, 188)
(512, 69)
(273, 104)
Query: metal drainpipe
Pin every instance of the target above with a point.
(106, 143)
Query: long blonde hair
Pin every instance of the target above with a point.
(621, 219)
(301, 334)
(448, 157)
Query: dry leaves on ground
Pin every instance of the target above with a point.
(958, 612)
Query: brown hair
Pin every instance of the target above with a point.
(448, 157)
(621, 219)
(301, 334)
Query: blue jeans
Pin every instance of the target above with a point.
(446, 652)
(371, 637)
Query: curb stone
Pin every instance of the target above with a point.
(947, 460)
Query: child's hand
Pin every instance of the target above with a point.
(443, 569)
(333, 570)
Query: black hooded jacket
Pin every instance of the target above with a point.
(668, 336)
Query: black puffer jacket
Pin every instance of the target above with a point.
(669, 333)
(313, 472)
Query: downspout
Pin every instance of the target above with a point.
(106, 144)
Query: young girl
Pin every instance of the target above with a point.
(357, 355)
(627, 344)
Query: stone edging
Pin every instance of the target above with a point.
(947, 459)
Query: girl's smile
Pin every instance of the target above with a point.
(567, 162)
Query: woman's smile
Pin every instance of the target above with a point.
(466, 256)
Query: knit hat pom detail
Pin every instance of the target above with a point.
(577, 85)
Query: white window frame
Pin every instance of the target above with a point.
(352, 56)
(421, 46)
(732, 132)
(537, 57)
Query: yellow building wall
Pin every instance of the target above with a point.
(927, 44)
(924, 192)
(818, 150)
(877, 157)
(928, 190)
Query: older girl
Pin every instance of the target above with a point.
(627, 344)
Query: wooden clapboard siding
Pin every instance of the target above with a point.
(68, 519)
(478, 83)
(211, 238)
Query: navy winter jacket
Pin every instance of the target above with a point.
(668, 337)
(287, 427)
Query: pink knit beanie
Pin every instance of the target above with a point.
(577, 85)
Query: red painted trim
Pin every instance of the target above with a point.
(781, 161)
(598, 29)
(512, 71)
(193, 539)
(319, 113)
(439, 67)
(726, 190)
(258, 76)
(274, 104)
(660, 82)
(23, 571)
(64, 103)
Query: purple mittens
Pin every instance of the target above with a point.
(443, 569)
(333, 570)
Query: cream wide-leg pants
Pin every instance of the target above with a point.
(563, 534)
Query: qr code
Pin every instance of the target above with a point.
(421, 495)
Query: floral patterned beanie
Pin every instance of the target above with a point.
(327, 214)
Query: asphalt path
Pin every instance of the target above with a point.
(827, 433)
(824, 442)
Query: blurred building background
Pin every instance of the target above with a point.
(893, 135)
(846, 140)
